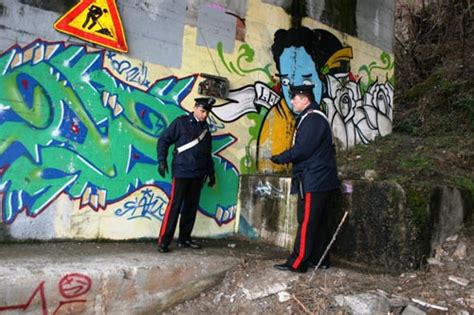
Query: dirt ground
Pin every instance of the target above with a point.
(436, 284)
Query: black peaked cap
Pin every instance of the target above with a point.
(301, 89)
(205, 102)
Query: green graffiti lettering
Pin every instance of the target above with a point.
(68, 125)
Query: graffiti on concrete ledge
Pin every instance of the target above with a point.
(267, 190)
(71, 287)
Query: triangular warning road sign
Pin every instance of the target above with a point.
(96, 21)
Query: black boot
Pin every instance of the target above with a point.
(163, 248)
(189, 244)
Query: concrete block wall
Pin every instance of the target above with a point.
(79, 123)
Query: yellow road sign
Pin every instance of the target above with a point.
(96, 21)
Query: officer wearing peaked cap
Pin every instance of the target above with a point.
(306, 89)
(192, 165)
(314, 180)
(205, 102)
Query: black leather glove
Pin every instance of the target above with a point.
(162, 168)
(212, 180)
(274, 159)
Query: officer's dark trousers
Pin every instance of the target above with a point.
(312, 236)
(184, 199)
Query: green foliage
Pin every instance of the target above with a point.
(420, 89)
(467, 184)
(466, 104)
(417, 201)
(415, 162)
(340, 14)
(448, 87)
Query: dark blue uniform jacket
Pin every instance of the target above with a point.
(195, 162)
(313, 155)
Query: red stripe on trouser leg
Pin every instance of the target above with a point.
(304, 229)
(164, 223)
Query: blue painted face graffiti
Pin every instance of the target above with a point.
(297, 68)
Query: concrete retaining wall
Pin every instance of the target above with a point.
(381, 232)
(79, 123)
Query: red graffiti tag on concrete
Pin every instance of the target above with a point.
(74, 285)
(70, 286)
(39, 290)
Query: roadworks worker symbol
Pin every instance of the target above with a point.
(95, 21)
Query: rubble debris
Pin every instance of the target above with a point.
(452, 238)
(265, 291)
(429, 305)
(283, 296)
(364, 303)
(412, 310)
(459, 280)
(434, 262)
(460, 251)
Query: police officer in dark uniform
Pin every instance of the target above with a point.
(314, 180)
(192, 165)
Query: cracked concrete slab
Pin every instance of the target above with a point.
(104, 278)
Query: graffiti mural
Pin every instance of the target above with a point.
(148, 204)
(253, 100)
(69, 126)
(358, 106)
(247, 54)
(72, 287)
(80, 125)
(359, 112)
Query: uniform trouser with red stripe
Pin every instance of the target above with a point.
(312, 236)
(184, 199)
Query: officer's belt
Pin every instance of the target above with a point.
(192, 143)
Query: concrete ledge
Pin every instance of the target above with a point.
(103, 278)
